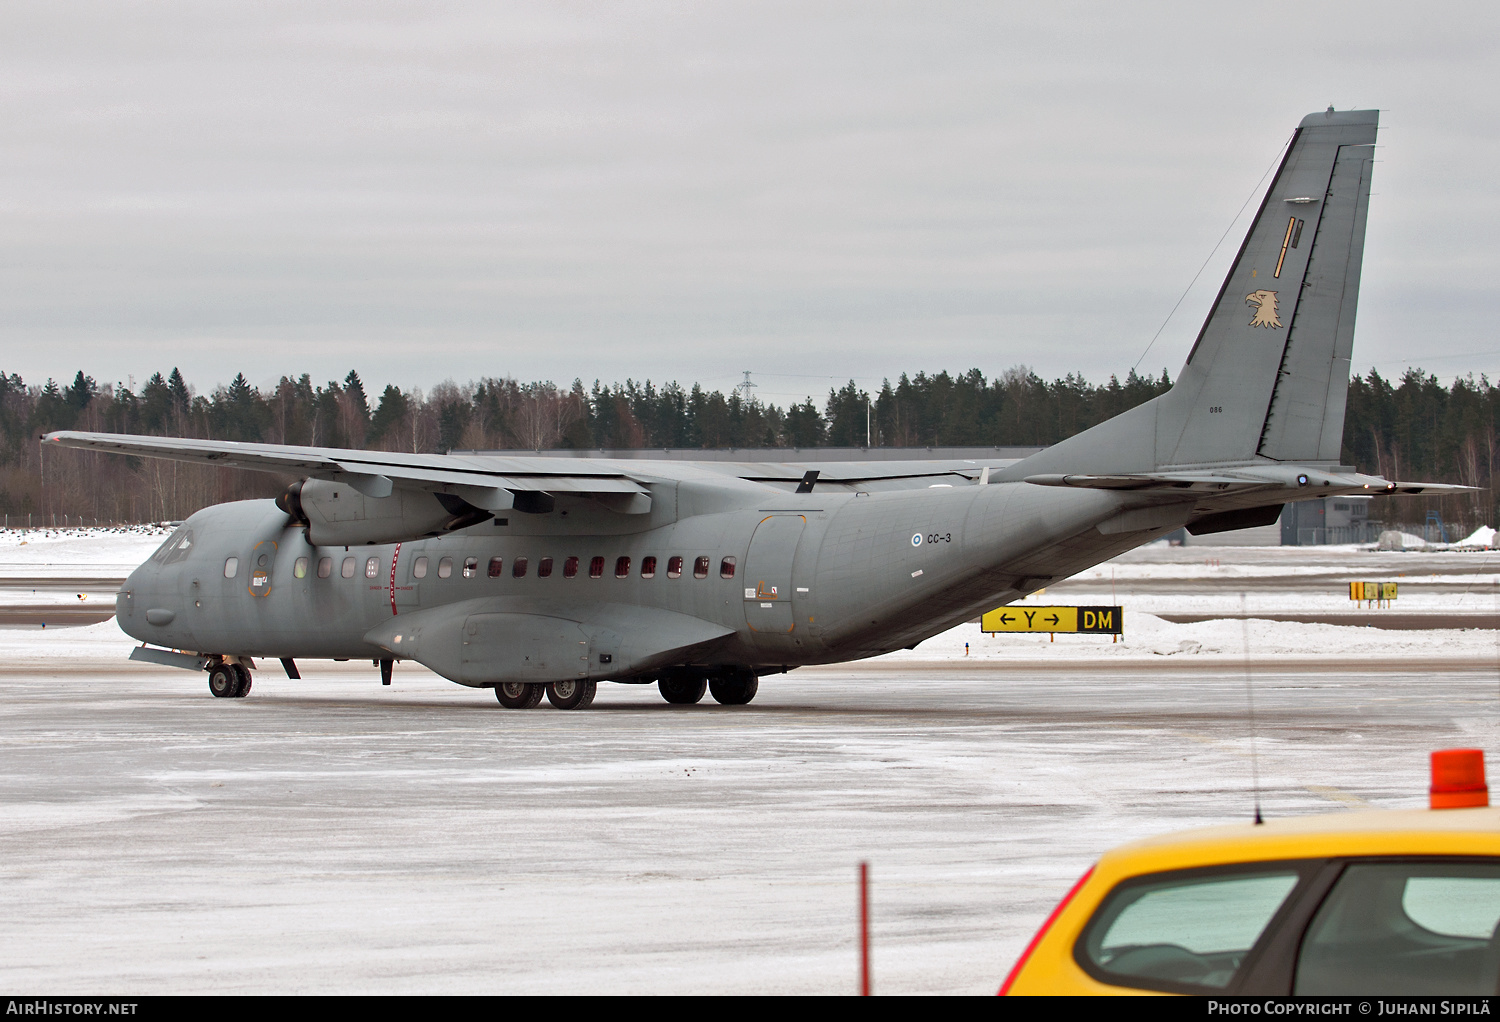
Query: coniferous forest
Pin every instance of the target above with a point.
(1412, 428)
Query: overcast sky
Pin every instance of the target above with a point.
(812, 191)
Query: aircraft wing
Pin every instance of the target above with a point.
(375, 472)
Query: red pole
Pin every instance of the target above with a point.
(864, 929)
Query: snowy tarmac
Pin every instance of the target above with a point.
(331, 835)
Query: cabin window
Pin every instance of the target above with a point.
(544, 568)
(518, 569)
(648, 567)
(700, 568)
(325, 567)
(231, 566)
(347, 568)
(299, 569)
(570, 567)
(372, 567)
(445, 567)
(674, 567)
(726, 568)
(419, 568)
(471, 567)
(596, 568)
(622, 567)
(497, 566)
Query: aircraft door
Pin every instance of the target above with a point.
(768, 576)
(262, 564)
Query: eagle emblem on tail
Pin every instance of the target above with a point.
(1265, 309)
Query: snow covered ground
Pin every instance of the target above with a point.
(99, 553)
(331, 835)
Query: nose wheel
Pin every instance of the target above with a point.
(228, 681)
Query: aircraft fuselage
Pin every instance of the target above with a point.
(790, 579)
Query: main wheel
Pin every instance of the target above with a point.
(243, 688)
(515, 695)
(570, 695)
(682, 687)
(734, 688)
(224, 681)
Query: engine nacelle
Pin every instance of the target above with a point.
(336, 514)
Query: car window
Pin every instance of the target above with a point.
(1188, 931)
(1420, 927)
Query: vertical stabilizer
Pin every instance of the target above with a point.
(1274, 351)
(1268, 375)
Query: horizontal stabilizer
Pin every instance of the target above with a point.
(1316, 482)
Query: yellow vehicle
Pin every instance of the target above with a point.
(1383, 902)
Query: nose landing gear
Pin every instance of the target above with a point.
(228, 681)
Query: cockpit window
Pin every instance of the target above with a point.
(176, 548)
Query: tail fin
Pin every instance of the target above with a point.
(1269, 373)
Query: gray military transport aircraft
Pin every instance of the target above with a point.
(532, 575)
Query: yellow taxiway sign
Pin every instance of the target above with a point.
(1099, 620)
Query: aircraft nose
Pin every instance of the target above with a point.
(134, 599)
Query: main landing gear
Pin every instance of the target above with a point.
(730, 686)
(228, 681)
(565, 695)
(518, 696)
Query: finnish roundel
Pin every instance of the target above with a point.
(916, 540)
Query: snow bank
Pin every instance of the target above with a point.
(1484, 536)
(104, 552)
(1148, 637)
